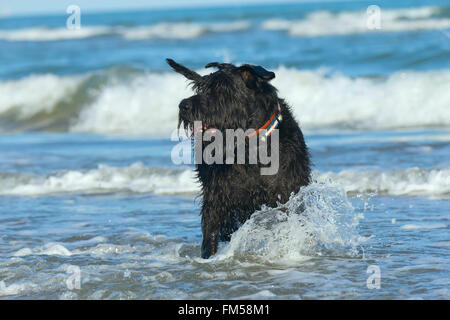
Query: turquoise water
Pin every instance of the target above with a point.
(87, 182)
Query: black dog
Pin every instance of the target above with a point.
(232, 98)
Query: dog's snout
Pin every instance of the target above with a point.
(185, 105)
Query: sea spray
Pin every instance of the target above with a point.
(319, 220)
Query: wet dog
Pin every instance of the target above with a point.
(234, 98)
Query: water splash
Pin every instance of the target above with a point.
(319, 220)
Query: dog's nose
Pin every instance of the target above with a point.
(185, 105)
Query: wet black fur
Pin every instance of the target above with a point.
(231, 98)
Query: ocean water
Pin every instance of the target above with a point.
(92, 207)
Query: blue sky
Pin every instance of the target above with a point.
(21, 7)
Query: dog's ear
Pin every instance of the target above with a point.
(253, 74)
(248, 71)
(213, 64)
(191, 75)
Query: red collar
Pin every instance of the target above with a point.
(270, 125)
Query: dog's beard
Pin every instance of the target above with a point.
(186, 125)
(189, 128)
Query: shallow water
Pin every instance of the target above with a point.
(92, 207)
(134, 239)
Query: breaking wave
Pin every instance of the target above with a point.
(411, 181)
(315, 23)
(163, 30)
(135, 178)
(137, 102)
(320, 23)
(138, 178)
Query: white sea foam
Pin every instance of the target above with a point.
(36, 93)
(134, 178)
(319, 23)
(316, 23)
(404, 99)
(148, 103)
(48, 34)
(13, 289)
(412, 181)
(180, 30)
(318, 220)
(48, 249)
(163, 30)
(141, 179)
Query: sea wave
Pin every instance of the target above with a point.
(135, 178)
(55, 34)
(181, 30)
(315, 23)
(163, 30)
(36, 93)
(320, 23)
(136, 102)
(138, 178)
(397, 182)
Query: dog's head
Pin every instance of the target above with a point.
(230, 98)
